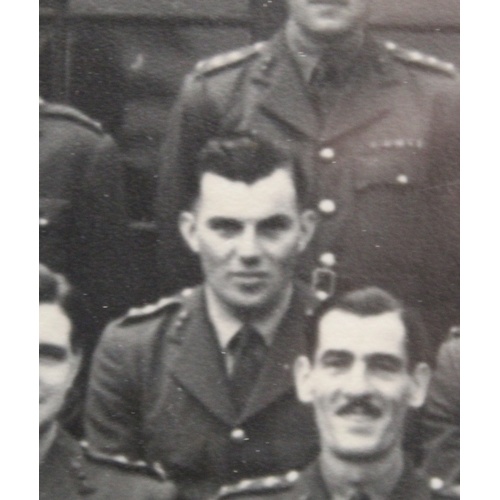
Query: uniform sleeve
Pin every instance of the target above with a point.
(443, 223)
(441, 418)
(191, 123)
(112, 414)
(101, 230)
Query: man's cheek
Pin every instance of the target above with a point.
(54, 377)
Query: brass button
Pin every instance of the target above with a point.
(402, 179)
(327, 153)
(238, 435)
(327, 259)
(327, 206)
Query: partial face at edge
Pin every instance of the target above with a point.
(248, 237)
(360, 385)
(325, 18)
(58, 364)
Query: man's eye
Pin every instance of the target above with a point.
(52, 354)
(225, 227)
(337, 361)
(275, 225)
(386, 364)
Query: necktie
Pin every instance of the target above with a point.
(249, 351)
(324, 87)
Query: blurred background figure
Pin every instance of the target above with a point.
(441, 418)
(82, 213)
(69, 470)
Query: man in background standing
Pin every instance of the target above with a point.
(360, 113)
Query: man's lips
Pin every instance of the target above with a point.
(249, 275)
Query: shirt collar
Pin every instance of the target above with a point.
(226, 324)
(304, 54)
(307, 54)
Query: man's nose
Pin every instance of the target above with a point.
(248, 245)
(356, 381)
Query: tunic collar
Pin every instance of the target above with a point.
(226, 324)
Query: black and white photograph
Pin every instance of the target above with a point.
(249, 249)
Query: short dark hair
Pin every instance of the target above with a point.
(54, 288)
(246, 158)
(372, 301)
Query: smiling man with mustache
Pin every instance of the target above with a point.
(367, 367)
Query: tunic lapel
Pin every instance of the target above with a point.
(287, 97)
(276, 379)
(199, 366)
(366, 97)
(310, 485)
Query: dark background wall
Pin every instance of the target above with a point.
(122, 61)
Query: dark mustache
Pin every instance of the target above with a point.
(364, 403)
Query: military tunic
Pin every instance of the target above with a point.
(159, 391)
(441, 415)
(82, 209)
(70, 472)
(309, 485)
(366, 153)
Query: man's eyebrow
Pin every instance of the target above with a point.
(336, 353)
(392, 359)
(276, 220)
(52, 351)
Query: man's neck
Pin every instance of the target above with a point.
(47, 438)
(378, 477)
(266, 320)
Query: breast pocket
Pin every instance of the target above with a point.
(390, 211)
(398, 168)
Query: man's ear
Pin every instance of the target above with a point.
(302, 377)
(420, 378)
(308, 221)
(75, 365)
(187, 227)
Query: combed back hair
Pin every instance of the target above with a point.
(246, 159)
(54, 288)
(372, 301)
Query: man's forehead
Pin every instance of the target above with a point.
(342, 330)
(54, 325)
(232, 197)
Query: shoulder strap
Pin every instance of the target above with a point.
(123, 462)
(260, 485)
(69, 113)
(419, 59)
(228, 59)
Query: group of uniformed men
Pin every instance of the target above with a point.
(314, 178)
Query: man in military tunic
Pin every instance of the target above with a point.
(201, 382)
(70, 470)
(359, 112)
(366, 369)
